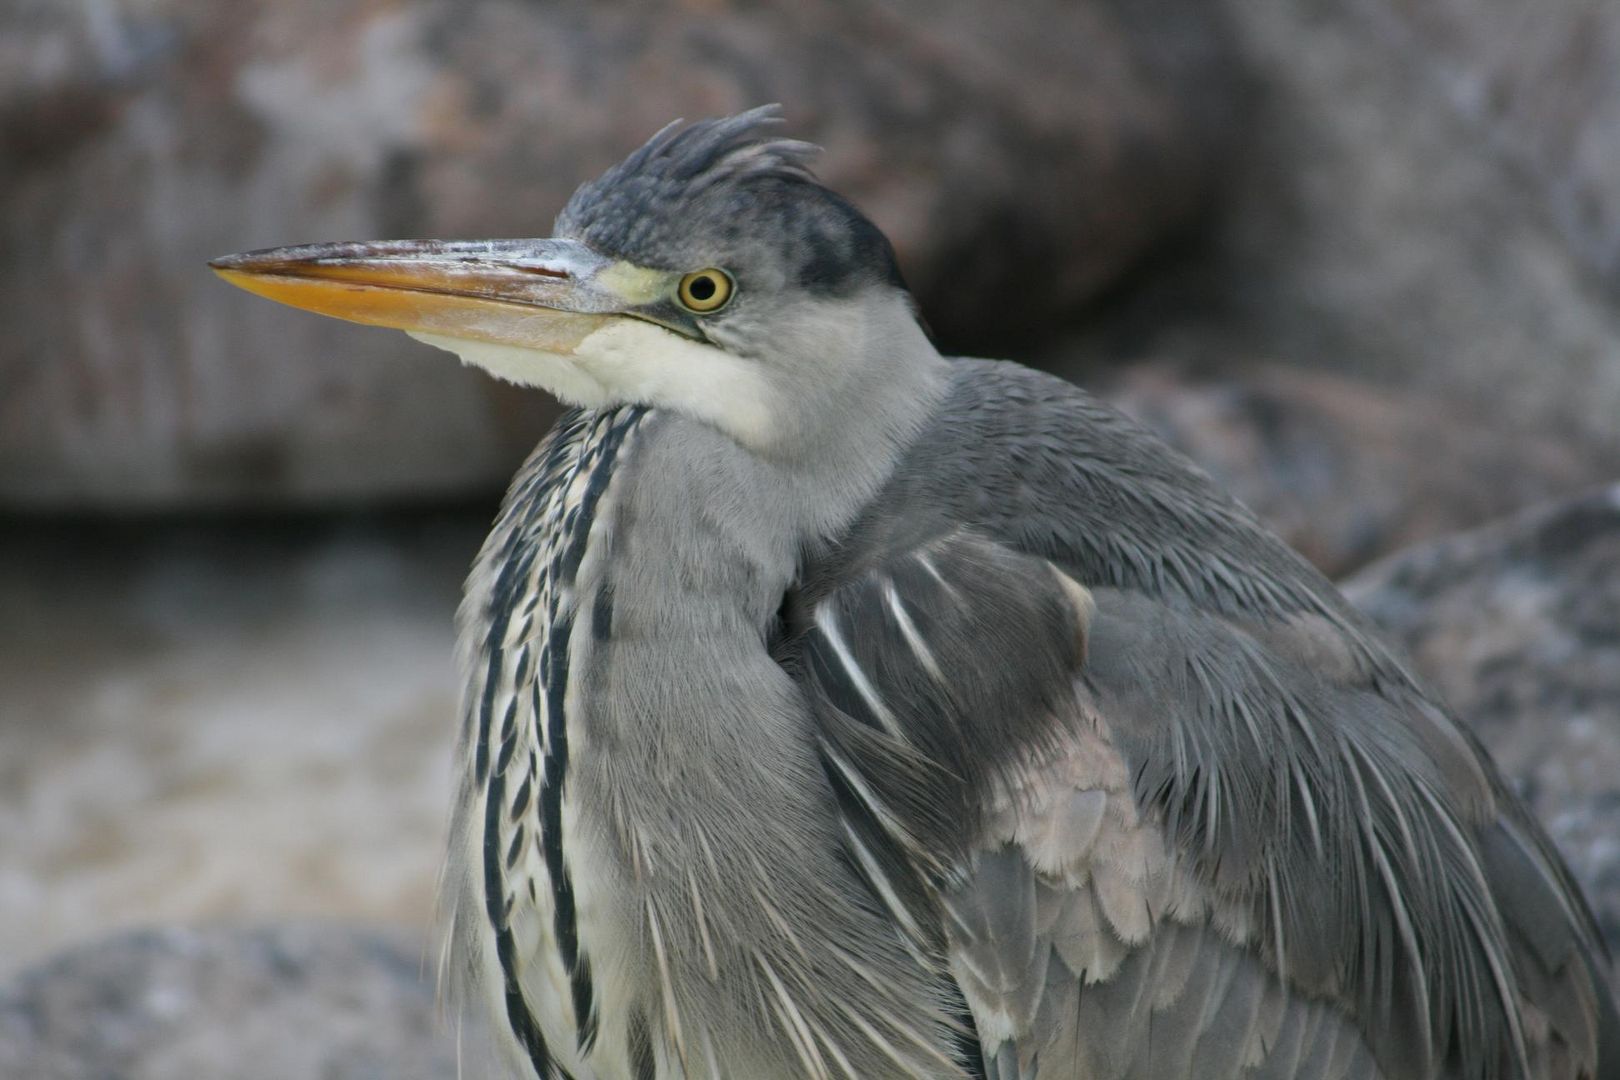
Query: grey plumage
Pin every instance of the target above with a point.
(834, 709)
(1330, 817)
(1295, 835)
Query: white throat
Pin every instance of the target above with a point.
(629, 361)
(844, 382)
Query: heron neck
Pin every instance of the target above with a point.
(855, 400)
(705, 538)
(692, 767)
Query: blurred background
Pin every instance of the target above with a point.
(1360, 258)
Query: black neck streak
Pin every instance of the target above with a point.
(548, 526)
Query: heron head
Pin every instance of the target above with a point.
(708, 273)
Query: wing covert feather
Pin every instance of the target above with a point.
(1161, 818)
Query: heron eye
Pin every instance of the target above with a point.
(703, 291)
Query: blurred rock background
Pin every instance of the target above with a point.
(1361, 258)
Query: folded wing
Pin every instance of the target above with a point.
(1149, 839)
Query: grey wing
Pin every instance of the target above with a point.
(1147, 840)
(1182, 1001)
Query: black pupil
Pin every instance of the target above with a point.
(702, 288)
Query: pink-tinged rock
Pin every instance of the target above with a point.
(1427, 195)
(1021, 156)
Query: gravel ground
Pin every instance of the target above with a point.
(209, 721)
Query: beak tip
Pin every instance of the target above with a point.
(227, 266)
(230, 273)
(264, 260)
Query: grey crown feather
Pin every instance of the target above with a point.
(732, 193)
(675, 168)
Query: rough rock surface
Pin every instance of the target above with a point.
(302, 1002)
(1518, 626)
(1020, 156)
(1428, 194)
(1345, 470)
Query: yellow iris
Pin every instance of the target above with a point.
(703, 291)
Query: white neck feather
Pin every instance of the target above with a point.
(843, 384)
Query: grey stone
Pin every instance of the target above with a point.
(1427, 196)
(1518, 626)
(297, 1002)
(1021, 156)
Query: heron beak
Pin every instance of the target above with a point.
(544, 295)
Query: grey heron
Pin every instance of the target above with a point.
(835, 708)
